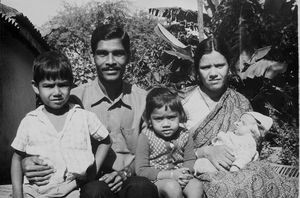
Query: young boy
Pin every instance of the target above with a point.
(57, 131)
(243, 141)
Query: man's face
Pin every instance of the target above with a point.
(110, 58)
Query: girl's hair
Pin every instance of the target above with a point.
(52, 65)
(159, 97)
(207, 46)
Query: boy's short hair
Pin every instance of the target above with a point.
(52, 65)
(108, 32)
(158, 97)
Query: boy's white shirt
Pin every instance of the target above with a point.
(69, 150)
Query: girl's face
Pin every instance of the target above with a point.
(165, 122)
(213, 71)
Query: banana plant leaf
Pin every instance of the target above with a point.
(266, 68)
(180, 50)
(257, 66)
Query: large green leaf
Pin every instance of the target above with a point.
(264, 68)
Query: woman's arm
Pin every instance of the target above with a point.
(220, 156)
(17, 175)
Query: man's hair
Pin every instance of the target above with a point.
(108, 32)
(52, 65)
(162, 96)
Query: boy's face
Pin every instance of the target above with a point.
(165, 122)
(110, 59)
(53, 93)
(245, 124)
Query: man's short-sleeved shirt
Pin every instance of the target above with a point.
(68, 150)
(121, 117)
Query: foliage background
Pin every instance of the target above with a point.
(245, 24)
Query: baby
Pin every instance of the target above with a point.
(243, 141)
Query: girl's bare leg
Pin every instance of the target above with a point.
(169, 188)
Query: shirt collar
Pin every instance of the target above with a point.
(39, 110)
(98, 96)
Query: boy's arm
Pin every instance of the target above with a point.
(100, 155)
(17, 175)
(101, 152)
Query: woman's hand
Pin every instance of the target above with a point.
(114, 180)
(36, 170)
(220, 156)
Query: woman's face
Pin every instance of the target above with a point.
(213, 71)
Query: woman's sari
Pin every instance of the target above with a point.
(257, 179)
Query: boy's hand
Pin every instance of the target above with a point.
(36, 170)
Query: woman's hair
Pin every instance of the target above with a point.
(207, 46)
(52, 65)
(108, 32)
(159, 97)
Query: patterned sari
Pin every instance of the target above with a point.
(257, 179)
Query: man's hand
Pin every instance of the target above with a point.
(220, 156)
(114, 180)
(36, 170)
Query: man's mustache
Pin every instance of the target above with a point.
(111, 68)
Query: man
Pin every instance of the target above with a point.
(119, 106)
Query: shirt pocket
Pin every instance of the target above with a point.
(131, 137)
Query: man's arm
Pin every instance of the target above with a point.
(36, 170)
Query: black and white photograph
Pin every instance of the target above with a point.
(149, 99)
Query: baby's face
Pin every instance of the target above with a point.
(244, 125)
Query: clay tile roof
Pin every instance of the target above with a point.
(22, 25)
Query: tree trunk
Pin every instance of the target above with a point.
(200, 20)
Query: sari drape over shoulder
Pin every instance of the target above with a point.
(228, 110)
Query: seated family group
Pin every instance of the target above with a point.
(108, 138)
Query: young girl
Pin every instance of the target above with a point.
(165, 150)
(57, 131)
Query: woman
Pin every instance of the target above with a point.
(212, 107)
